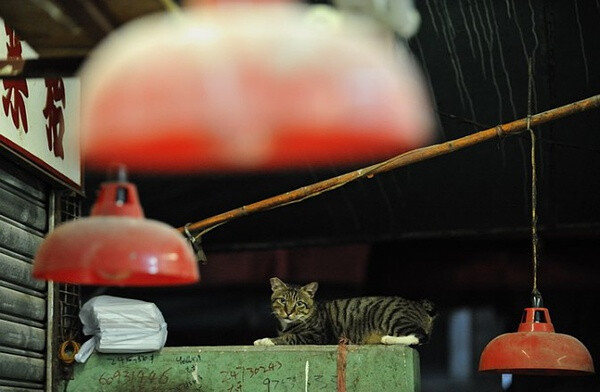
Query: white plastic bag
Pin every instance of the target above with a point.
(121, 325)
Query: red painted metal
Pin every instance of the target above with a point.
(117, 198)
(116, 246)
(536, 349)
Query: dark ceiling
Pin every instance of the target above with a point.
(475, 56)
(63, 28)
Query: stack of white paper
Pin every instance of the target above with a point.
(121, 325)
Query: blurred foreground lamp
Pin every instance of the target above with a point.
(240, 86)
(535, 349)
(116, 246)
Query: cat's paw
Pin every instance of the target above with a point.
(405, 340)
(264, 342)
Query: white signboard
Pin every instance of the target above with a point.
(39, 118)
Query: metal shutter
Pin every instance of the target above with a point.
(24, 202)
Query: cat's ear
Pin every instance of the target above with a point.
(277, 284)
(311, 288)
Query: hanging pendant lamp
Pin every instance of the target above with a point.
(535, 349)
(116, 246)
(240, 86)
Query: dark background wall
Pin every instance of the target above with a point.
(455, 229)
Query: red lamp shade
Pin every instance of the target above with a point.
(535, 349)
(243, 86)
(116, 246)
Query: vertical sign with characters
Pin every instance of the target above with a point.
(39, 119)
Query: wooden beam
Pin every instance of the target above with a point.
(410, 157)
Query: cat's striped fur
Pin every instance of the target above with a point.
(363, 320)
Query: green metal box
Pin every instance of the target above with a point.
(371, 368)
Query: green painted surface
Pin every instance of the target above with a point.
(250, 369)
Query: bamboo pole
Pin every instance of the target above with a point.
(413, 156)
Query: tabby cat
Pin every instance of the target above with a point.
(363, 320)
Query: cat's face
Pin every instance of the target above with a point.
(292, 304)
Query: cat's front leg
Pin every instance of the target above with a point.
(286, 339)
(264, 342)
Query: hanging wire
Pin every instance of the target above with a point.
(536, 297)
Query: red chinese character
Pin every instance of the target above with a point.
(16, 90)
(55, 127)
(14, 44)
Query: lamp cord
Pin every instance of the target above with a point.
(536, 296)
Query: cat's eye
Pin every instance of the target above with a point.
(281, 300)
(301, 304)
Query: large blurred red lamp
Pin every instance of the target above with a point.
(116, 246)
(535, 349)
(249, 86)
